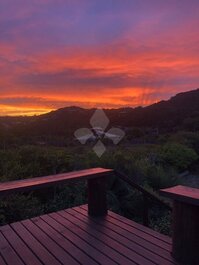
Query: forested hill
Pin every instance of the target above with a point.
(179, 112)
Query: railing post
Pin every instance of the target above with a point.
(97, 201)
(185, 237)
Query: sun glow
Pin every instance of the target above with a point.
(123, 58)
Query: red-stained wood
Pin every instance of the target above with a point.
(89, 235)
(48, 181)
(74, 229)
(97, 201)
(182, 194)
(118, 226)
(185, 223)
(96, 178)
(49, 243)
(92, 256)
(8, 253)
(130, 231)
(37, 248)
(19, 246)
(2, 262)
(186, 233)
(101, 227)
(63, 241)
(73, 237)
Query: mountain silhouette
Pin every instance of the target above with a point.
(179, 112)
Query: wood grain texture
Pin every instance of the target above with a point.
(97, 201)
(185, 223)
(182, 193)
(73, 237)
(48, 181)
(186, 233)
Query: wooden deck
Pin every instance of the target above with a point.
(72, 237)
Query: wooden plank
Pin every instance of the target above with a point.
(98, 242)
(138, 233)
(81, 244)
(142, 228)
(2, 262)
(47, 181)
(130, 235)
(55, 233)
(143, 247)
(182, 193)
(50, 244)
(19, 246)
(133, 256)
(154, 257)
(138, 226)
(8, 253)
(39, 250)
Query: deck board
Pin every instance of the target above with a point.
(20, 247)
(46, 225)
(51, 246)
(143, 248)
(39, 250)
(8, 253)
(97, 239)
(72, 237)
(2, 262)
(126, 229)
(145, 229)
(87, 250)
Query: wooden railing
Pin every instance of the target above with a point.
(96, 179)
(185, 205)
(185, 247)
(185, 218)
(147, 196)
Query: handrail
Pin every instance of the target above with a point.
(96, 179)
(31, 184)
(146, 195)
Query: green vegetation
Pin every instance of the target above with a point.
(178, 156)
(153, 166)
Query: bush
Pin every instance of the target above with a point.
(190, 139)
(19, 207)
(162, 223)
(158, 178)
(179, 156)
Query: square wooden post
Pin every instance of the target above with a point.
(185, 237)
(97, 201)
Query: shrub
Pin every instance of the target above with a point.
(158, 178)
(179, 156)
(190, 139)
(19, 207)
(162, 223)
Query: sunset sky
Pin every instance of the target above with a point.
(102, 53)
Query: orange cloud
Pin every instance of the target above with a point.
(94, 57)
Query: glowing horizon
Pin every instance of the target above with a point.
(109, 54)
